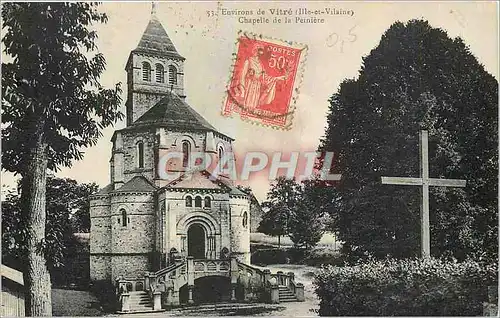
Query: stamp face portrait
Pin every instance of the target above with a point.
(265, 80)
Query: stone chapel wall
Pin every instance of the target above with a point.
(132, 242)
(100, 238)
(240, 230)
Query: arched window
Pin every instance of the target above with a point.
(189, 201)
(172, 75)
(186, 150)
(140, 155)
(146, 72)
(221, 154)
(245, 219)
(197, 202)
(160, 73)
(124, 217)
(208, 202)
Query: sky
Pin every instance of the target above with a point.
(208, 43)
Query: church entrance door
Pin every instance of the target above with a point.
(196, 241)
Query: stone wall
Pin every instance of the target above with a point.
(100, 237)
(240, 230)
(100, 267)
(130, 154)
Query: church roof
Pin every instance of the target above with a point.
(234, 190)
(107, 189)
(155, 40)
(137, 184)
(173, 111)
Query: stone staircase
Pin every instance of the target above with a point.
(286, 295)
(140, 302)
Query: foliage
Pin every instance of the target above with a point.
(52, 106)
(307, 223)
(51, 81)
(298, 210)
(68, 212)
(281, 200)
(416, 78)
(411, 287)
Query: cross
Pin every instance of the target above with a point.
(424, 181)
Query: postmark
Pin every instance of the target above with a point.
(265, 80)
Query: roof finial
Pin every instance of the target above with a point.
(153, 8)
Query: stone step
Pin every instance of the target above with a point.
(288, 300)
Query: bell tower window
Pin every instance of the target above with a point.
(146, 72)
(140, 155)
(172, 75)
(160, 74)
(186, 149)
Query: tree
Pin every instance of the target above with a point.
(68, 209)
(416, 78)
(53, 106)
(309, 220)
(281, 200)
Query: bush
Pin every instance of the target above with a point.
(105, 292)
(270, 256)
(429, 287)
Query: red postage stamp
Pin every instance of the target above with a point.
(265, 80)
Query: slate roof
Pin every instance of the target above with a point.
(234, 189)
(107, 189)
(137, 184)
(173, 111)
(155, 40)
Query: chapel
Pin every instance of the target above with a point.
(140, 221)
(164, 242)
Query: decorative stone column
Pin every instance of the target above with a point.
(234, 277)
(275, 294)
(156, 300)
(125, 298)
(299, 292)
(190, 294)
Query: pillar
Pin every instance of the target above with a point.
(299, 292)
(156, 300)
(275, 294)
(125, 297)
(190, 294)
(234, 277)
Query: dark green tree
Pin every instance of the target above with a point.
(310, 216)
(416, 78)
(278, 208)
(52, 106)
(68, 212)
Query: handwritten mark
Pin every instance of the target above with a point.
(334, 39)
(459, 17)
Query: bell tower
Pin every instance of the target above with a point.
(154, 70)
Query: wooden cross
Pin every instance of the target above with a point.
(424, 181)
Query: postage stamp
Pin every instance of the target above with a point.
(265, 80)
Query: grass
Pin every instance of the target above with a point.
(265, 251)
(68, 303)
(327, 242)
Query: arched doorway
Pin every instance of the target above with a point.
(208, 289)
(196, 241)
